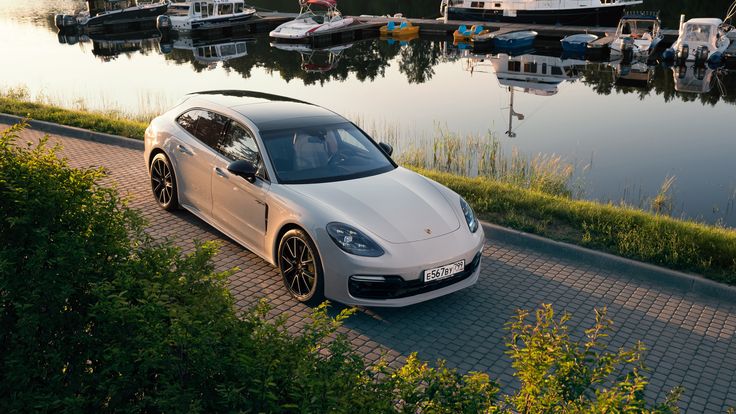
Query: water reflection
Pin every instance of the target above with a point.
(315, 60)
(210, 52)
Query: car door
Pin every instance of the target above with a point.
(193, 157)
(238, 206)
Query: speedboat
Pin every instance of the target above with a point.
(577, 43)
(700, 41)
(109, 12)
(208, 14)
(637, 37)
(565, 12)
(311, 22)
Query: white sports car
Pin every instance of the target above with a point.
(315, 196)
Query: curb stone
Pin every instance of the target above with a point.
(684, 282)
(75, 132)
(681, 281)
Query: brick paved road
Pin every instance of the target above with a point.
(690, 337)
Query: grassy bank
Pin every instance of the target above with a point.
(109, 123)
(531, 196)
(627, 232)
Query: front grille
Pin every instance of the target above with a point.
(395, 287)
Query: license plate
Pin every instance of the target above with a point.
(444, 272)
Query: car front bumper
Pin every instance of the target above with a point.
(402, 268)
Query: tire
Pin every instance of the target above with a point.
(163, 182)
(301, 270)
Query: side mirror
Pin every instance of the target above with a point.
(245, 169)
(388, 149)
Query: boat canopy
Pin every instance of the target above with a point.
(323, 3)
(642, 15)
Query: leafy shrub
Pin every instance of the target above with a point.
(96, 317)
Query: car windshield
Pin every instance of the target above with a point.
(325, 153)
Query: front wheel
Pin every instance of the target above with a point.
(163, 182)
(301, 267)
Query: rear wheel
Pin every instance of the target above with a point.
(163, 182)
(301, 267)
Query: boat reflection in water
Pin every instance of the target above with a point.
(316, 60)
(529, 73)
(212, 51)
(695, 79)
(109, 45)
(637, 75)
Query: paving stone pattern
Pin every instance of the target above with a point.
(690, 338)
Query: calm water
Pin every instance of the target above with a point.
(626, 129)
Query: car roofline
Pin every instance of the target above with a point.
(249, 94)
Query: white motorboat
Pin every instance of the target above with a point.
(208, 14)
(637, 37)
(700, 41)
(565, 12)
(314, 17)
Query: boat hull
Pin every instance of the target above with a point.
(588, 16)
(220, 22)
(129, 15)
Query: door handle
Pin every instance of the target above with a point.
(219, 172)
(184, 150)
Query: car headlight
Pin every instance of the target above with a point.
(353, 240)
(469, 216)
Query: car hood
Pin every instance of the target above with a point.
(399, 206)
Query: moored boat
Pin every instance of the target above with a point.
(700, 40)
(113, 12)
(565, 12)
(208, 14)
(577, 43)
(637, 37)
(315, 16)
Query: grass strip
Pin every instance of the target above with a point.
(99, 122)
(623, 231)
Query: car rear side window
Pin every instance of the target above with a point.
(205, 125)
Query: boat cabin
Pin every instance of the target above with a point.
(209, 8)
(96, 7)
(643, 25)
(702, 31)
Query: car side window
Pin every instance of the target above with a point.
(210, 127)
(238, 143)
(188, 121)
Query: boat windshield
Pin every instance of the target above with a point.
(697, 33)
(323, 153)
(637, 28)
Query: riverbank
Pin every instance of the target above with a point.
(627, 232)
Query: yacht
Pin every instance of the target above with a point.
(208, 14)
(565, 12)
(314, 17)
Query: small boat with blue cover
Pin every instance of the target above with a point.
(521, 39)
(577, 43)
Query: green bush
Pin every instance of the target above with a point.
(97, 317)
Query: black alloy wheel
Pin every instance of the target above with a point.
(163, 182)
(301, 267)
